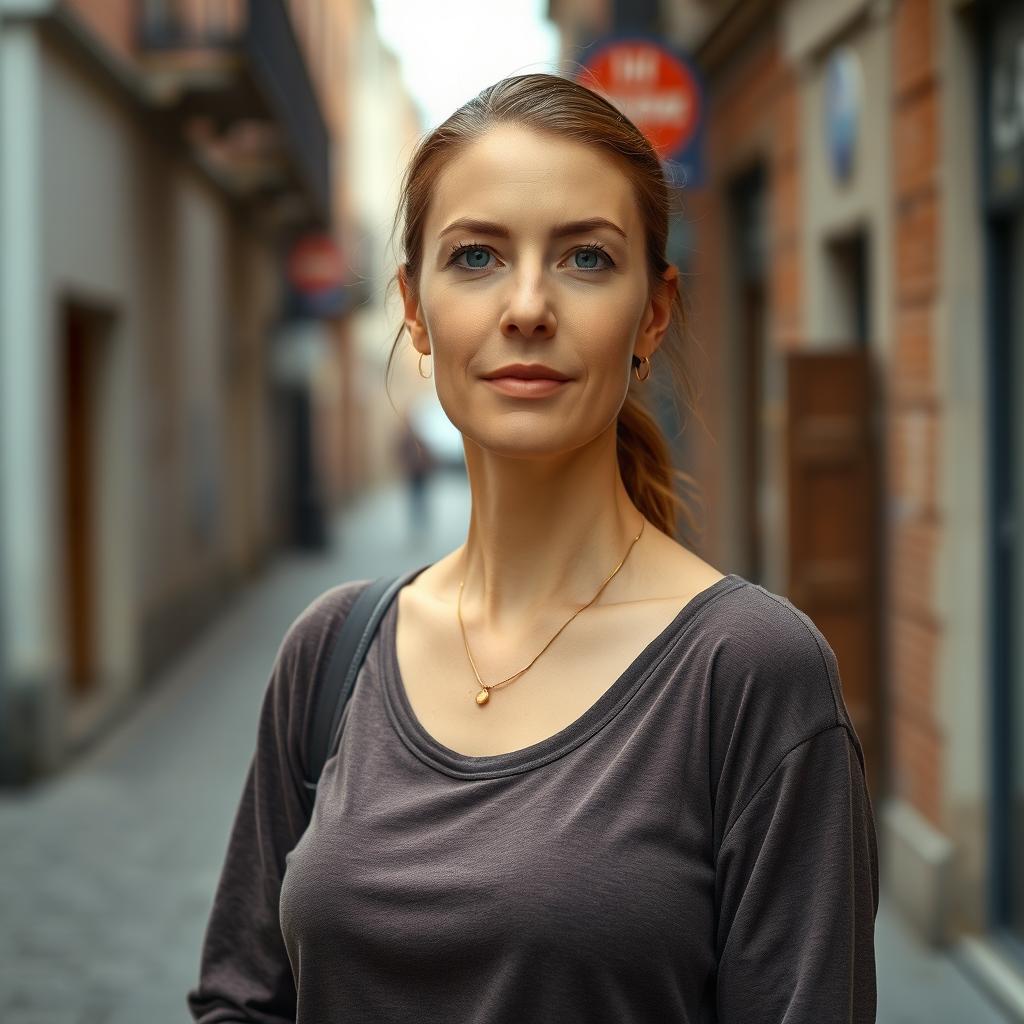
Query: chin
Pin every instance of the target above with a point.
(520, 442)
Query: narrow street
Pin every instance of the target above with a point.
(108, 872)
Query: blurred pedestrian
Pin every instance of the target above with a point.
(417, 466)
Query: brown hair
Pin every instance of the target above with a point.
(562, 107)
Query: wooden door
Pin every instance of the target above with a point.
(833, 503)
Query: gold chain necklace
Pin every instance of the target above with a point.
(485, 691)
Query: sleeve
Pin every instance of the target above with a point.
(797, 893)
(245, 974)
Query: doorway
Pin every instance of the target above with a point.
(748, 215)
(85, 333)
(847, 260)
(1007, 441)
(1001, 92)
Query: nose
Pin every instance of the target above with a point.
(528, 311)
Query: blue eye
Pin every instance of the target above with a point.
(458, 249)
(594, 249)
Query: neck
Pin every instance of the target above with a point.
(544, 535)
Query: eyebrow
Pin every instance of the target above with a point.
(575, 227)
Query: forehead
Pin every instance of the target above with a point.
(526, 180)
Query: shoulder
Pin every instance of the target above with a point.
(308, 641)
(773, 684)
(766, 650)
(322, 613)
(310, 635)
(301, 656)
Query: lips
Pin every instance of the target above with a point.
(523, 371)
(520, 387)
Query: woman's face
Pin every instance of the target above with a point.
(531, 289)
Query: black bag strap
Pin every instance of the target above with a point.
(338, 681)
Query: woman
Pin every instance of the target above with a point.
(584, 775)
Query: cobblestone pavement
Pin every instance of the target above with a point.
(107, 872)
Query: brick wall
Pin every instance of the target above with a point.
(113, 21)
(753, 116)
(784, 248)
(914, 420)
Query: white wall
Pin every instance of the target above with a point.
(87, 186)
(25, 429)
(97, 211)
(963, 691)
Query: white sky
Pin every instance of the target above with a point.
(451, 49)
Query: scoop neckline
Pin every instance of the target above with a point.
(437, 755)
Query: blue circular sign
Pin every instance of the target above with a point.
(843, 101)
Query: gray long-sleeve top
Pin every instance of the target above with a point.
(699, 846)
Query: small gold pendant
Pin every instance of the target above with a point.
(483, 697)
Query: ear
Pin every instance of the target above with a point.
(659, 313)
(413, 322)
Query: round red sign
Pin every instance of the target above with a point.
(652, 87)
(315, 265)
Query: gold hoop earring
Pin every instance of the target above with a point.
(636, 369)
(425, 376)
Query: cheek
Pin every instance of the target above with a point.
(609, 313)
(458, 326)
